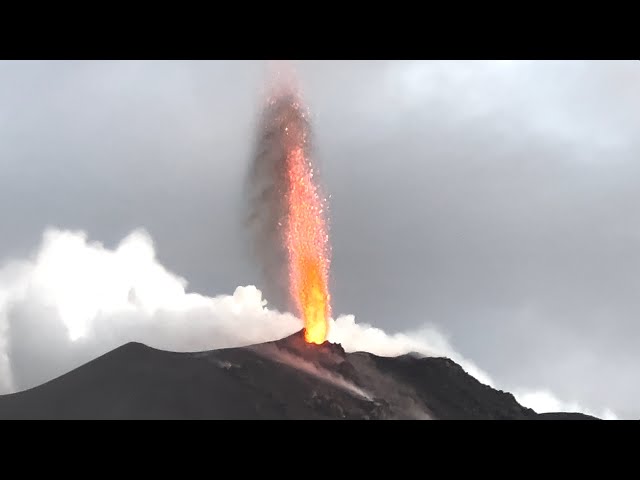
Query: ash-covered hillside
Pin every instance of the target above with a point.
(285, 379)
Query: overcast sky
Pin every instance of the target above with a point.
(497, 200)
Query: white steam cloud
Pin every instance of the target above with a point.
(74, 300)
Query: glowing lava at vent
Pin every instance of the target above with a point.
(306, 235)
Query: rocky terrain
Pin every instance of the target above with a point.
(285, 379)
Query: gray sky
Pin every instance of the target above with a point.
(496, 200)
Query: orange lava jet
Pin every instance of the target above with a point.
(306, 234)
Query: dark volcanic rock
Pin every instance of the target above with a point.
(450, 392)
(285, 379)
(565, 416)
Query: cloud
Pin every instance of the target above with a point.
(74, 300)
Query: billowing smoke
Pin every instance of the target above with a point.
(73, 300)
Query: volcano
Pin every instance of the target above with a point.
(284, 379)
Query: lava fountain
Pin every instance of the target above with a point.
(306, 235)
(288, 213)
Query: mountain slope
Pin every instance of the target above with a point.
(285, 379)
